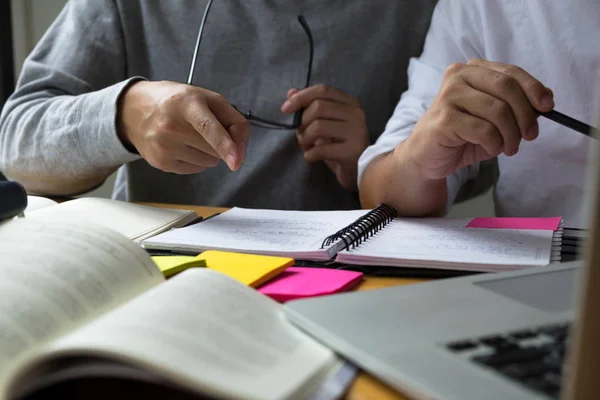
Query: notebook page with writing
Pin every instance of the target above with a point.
(439, 243)
(296, 234)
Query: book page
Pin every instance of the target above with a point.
(37, 203)
(135, 221)
(54, 278)
(210, 333)
(272, 232)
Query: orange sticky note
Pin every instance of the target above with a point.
(249, 269)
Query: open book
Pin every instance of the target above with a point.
(82, 302)
(135, 221)
(367, 237)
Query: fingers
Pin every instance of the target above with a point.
(521, 91)
(540, 97)
(189, 136)
(239, 134)
(322, 131)
(184, 168)
(329, 110)
(305, 97)
(509, 99)
(476, 130)
(196, 157)
(199, 115)
(326, 152)
(498, 113)
(235, 123)
(225, 113)
(180, 159)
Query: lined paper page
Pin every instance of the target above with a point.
(423, 243)
(291, 233)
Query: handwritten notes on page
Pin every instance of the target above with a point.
(418, 243)
(296, 234)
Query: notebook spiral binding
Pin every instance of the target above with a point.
(556, 250)
(363, 228)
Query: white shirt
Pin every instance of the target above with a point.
(558, 42)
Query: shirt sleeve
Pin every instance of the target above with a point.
(451, 38)
(58, 132)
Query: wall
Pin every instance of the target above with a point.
(31, 18)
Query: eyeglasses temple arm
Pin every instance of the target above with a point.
(200, 30)
(298, 115)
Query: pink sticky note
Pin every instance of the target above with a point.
(300, 282)
(549, 224)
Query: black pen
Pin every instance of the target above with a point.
(569, 122)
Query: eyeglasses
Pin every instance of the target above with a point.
(256, 120)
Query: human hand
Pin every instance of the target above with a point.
(181, 128)
(482, 109)
(333, 130)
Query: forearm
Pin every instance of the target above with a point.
(61, 145)
(393, 179)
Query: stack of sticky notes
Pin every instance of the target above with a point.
(249, 269)
(300, 282)
(273, 276)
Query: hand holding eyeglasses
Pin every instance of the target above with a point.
(181, 128)
(333, 129)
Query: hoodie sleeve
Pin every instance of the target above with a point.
(58, 133)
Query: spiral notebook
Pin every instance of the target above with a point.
(370, 237)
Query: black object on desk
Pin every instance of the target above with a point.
(13, 199)
(7, 69)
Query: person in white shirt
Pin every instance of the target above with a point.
(488, 67)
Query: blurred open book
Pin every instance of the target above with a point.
(82, 303)
(136, 221)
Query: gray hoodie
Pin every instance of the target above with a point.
(58, 134)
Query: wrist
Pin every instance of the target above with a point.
(408, 156)
(422, 195)
(126, 115)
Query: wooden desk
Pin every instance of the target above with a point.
(365, 385)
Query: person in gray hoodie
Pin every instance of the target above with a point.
(227, 120)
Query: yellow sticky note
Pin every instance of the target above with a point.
(249, 269)
(170, 265)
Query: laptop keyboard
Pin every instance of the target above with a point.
(532, 357)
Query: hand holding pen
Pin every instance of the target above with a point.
(482, 109)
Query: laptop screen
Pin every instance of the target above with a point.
(547, 291)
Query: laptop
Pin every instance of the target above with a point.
(530, 334)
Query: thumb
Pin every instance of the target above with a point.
(239, 133)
